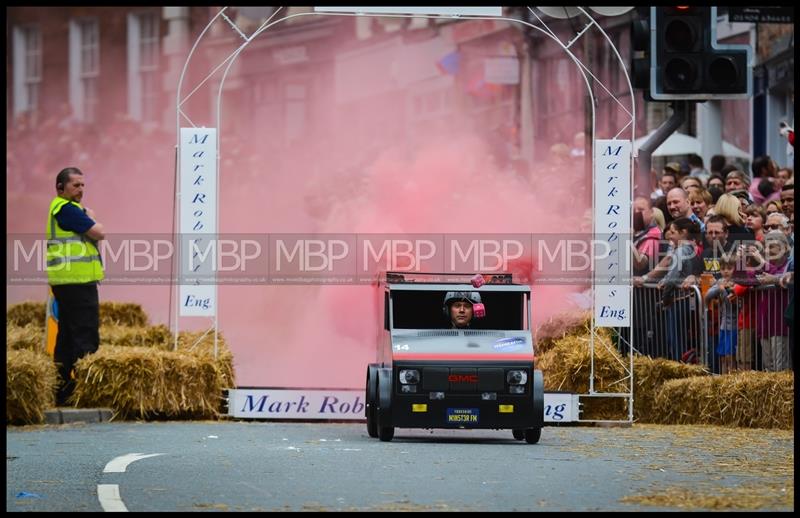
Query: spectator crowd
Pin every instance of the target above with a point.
(714, 260)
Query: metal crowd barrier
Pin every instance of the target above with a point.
(669, 324)
(759, 336)
(680, 326)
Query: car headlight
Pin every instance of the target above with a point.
(517, 377)
(409, 376)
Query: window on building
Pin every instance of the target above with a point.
(295, 120)
(267, 105)
(33, 65)
(144, 80)
(27, 68)
(90, 67)
(84, 67)
(148, 65)
(429, 109)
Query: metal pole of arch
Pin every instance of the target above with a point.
(611, 11)
(176, 215)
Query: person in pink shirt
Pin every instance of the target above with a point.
(771, 328)
(646, 238)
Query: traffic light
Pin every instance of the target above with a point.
(640, 49)
(686, 62)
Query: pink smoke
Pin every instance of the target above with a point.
(330, 181)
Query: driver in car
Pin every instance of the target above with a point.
(458, 306)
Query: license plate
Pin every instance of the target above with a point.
(463, 415)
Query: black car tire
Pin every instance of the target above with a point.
(383, 406)
(372, 425)
(532, 435)
(386, 433)
(372, 419)
(518, 434)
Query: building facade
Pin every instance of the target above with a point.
(91, 65)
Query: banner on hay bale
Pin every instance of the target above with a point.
(198, 222)
(612, 216)
(296, 404)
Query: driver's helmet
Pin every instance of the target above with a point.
(473, 297)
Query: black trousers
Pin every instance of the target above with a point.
(78, 331)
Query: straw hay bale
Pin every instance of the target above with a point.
(149, 382)
(26, 313)
(750, 399)
(574, 323)
(32, 337)
(122, 313)
(649, 374)
(567, 367)
(199, 341)
(159, 336)
(29, 337)
(111, 313)
(139, 336)
(135, 371)
(30, 386)
(190, 343)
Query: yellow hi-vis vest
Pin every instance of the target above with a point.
(72, 258)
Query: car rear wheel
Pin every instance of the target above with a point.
(518, 434)
(532, 435)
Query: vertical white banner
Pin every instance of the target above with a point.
(612, 216)
(198, 217)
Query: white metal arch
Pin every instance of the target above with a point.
(583, 69)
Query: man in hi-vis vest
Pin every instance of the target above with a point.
(73, 271)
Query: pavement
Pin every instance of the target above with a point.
(266, 466)
(65, 415)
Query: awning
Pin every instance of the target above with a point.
(682, 144)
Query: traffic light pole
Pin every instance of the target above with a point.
(680, 110)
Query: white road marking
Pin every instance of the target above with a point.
(108, 494)
(120, 464)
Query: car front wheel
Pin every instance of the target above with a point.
(372, 420)
(532, 435)
(386, 433)
(372, 425)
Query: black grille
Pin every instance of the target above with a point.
(490, 380)
(434, 379)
